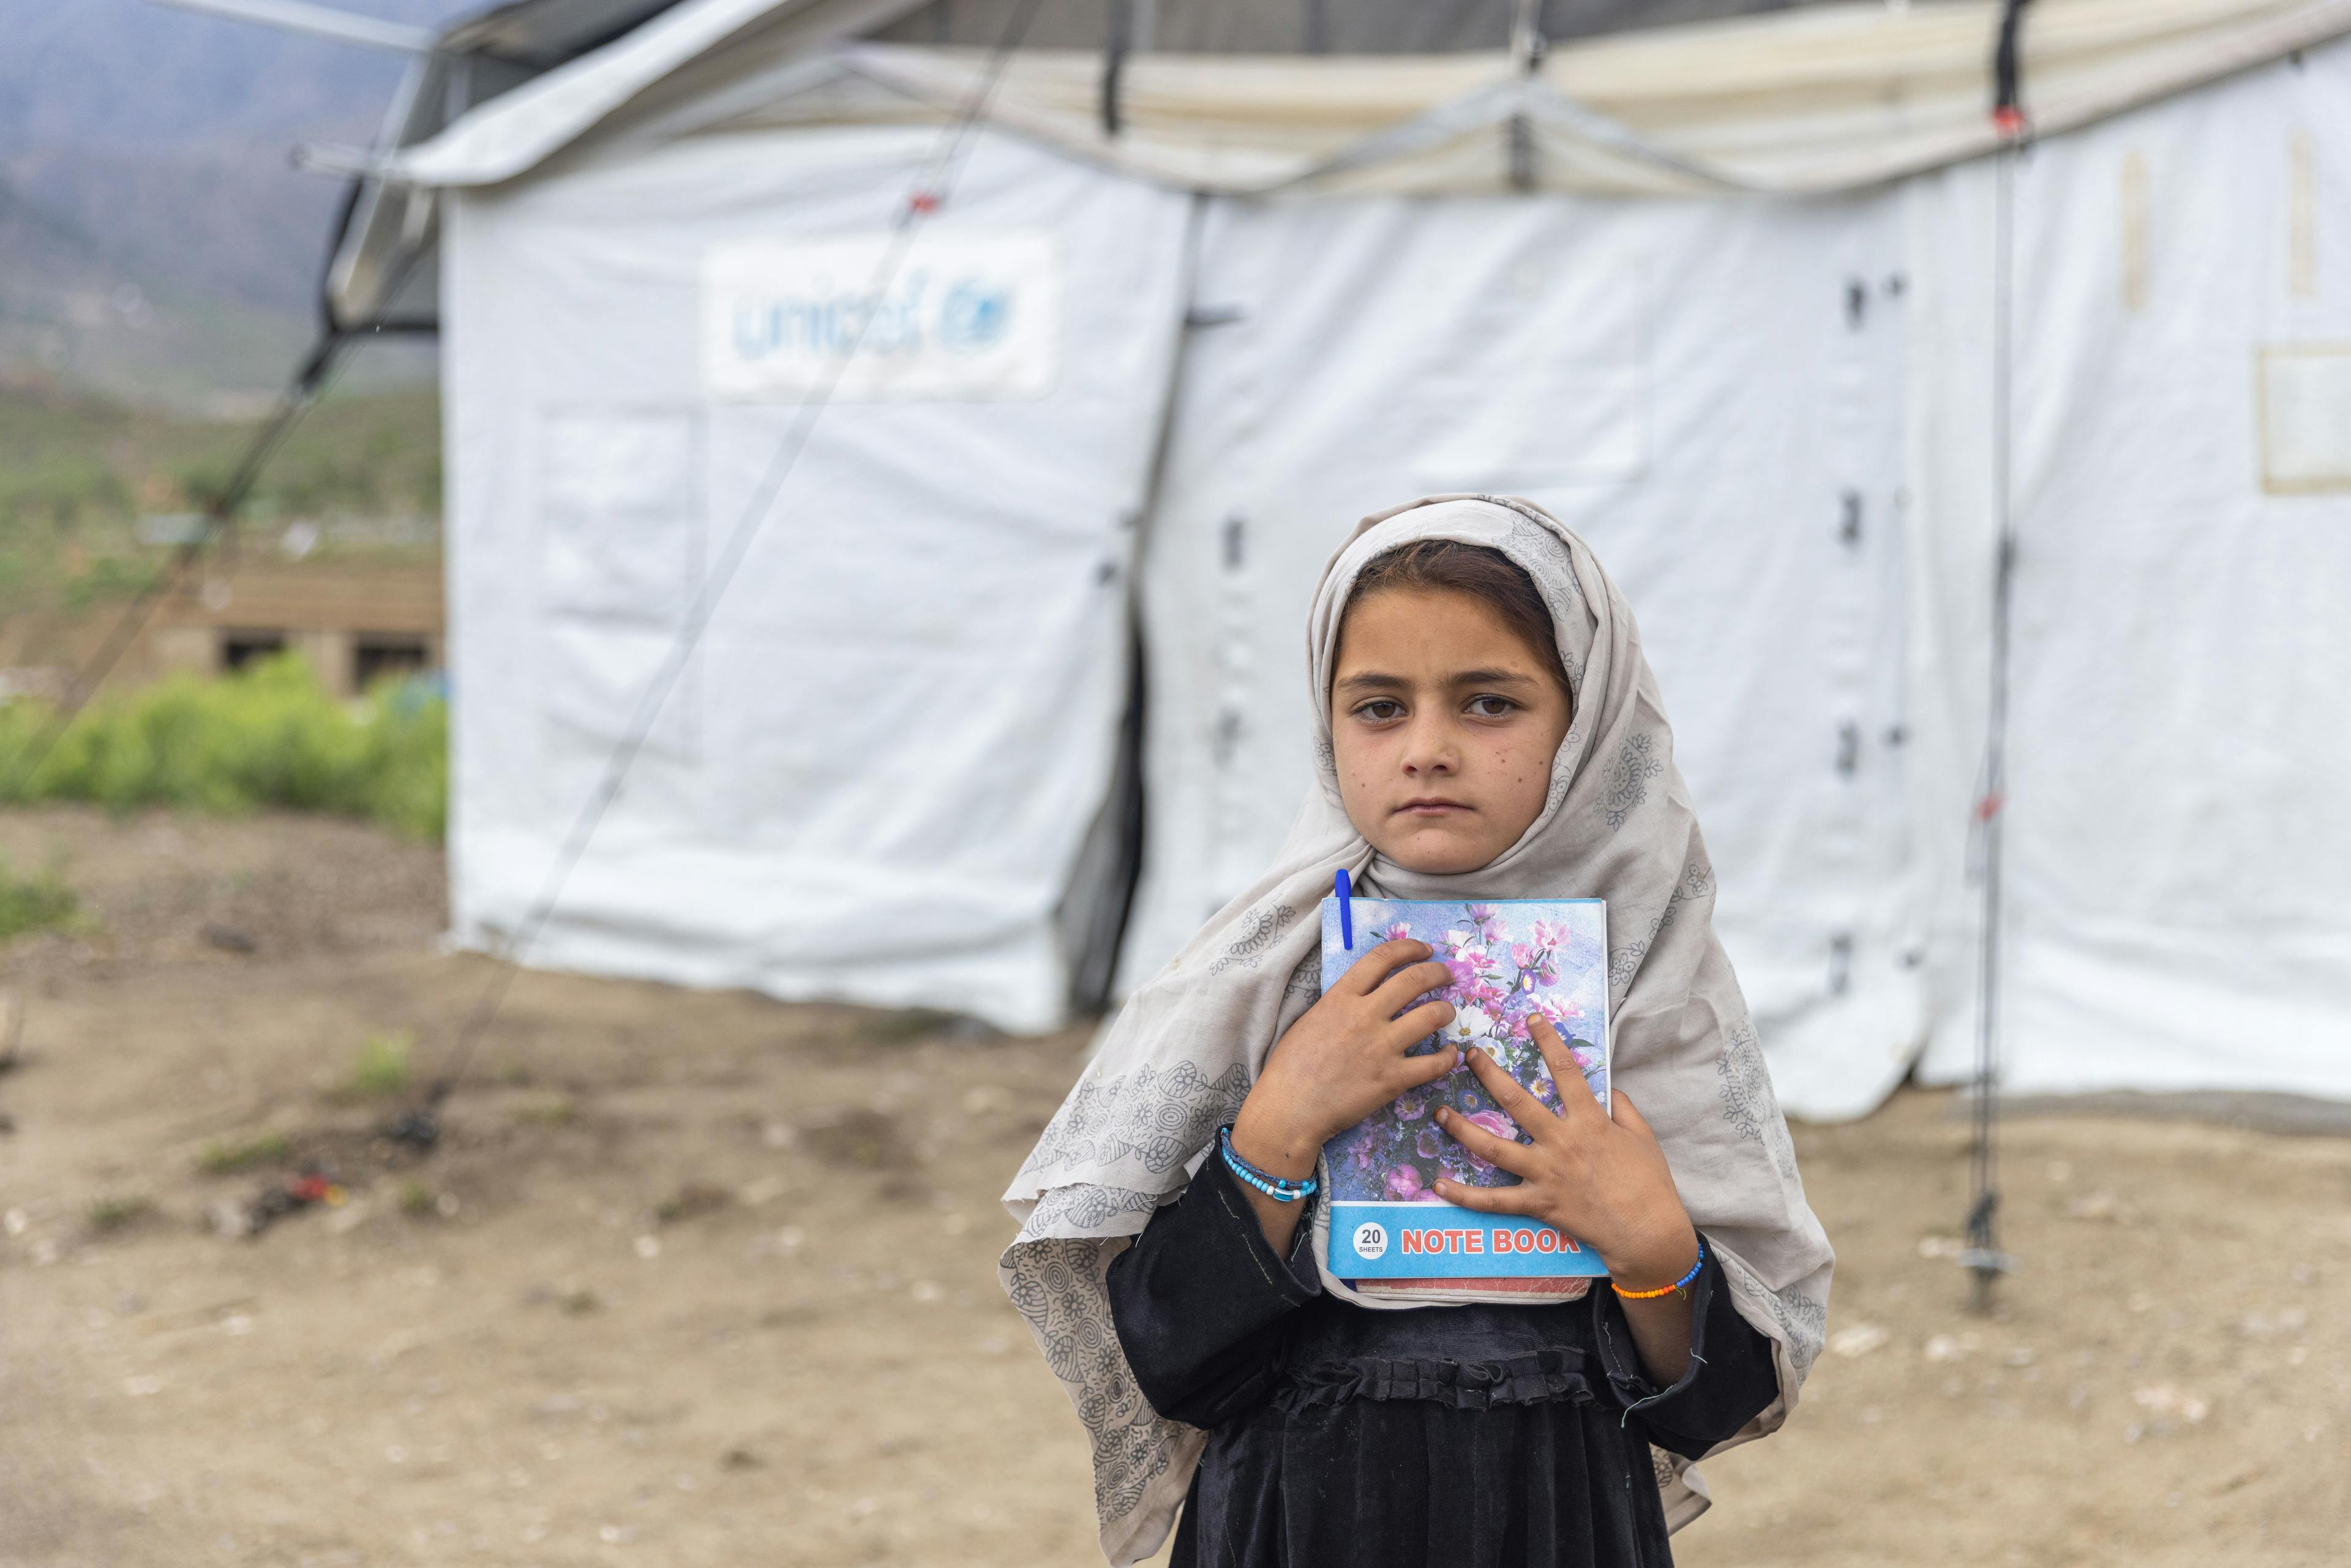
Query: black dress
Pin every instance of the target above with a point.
(1471, 1436)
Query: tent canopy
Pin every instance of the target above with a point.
(1826, 97)
(1814, 98)
(382, 272)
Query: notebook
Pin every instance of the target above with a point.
(1513, 960)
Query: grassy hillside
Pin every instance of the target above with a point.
(77, 471)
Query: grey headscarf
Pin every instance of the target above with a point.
(1617, 825)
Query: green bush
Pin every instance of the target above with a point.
(265, 737)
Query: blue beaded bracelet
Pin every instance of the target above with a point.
(1682, 1284)
(1279, 1188)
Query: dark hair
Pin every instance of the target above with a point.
(1485, 575)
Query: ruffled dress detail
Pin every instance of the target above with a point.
(1467, 1437)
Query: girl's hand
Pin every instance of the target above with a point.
(1345, 1059)
(1601, 1179)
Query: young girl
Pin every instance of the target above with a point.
(1488, 728)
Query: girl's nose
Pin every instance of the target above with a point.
(1429, 750)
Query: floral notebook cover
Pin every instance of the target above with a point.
(1513, 960)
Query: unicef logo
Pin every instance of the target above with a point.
(1371, 1241)
(975, 314)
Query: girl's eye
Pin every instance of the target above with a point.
(1379, 710)
(1492, 706)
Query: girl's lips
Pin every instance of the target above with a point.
(1431, 807)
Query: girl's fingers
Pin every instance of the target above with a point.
(1396, 993)
(1417, 1025)
(1424, 1069)
(1365, 975)
(1566, 1073)
(1523, 1107)
(1487, 1199)
(1508, 1153)
(1628, 1117)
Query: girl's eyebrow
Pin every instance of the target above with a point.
(1375, 680)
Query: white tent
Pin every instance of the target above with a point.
(1720, 293)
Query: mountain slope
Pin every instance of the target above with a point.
(128, 75)
(154, 243)
(71, 314)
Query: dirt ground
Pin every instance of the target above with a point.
(702, 1278)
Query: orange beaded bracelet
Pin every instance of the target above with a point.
(1682, 1284)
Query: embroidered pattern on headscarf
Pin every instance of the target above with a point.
(1529, 540)
(1807, 1322)
(1082, 1208)
(1265, 928)
(1055, 1285)
(1748, 1100)
(1163, 1116)
(1661, 1465)
(1698, 880)
(1802, 1317)
(1306, 980)
(1158, 1115)
(1628, 779)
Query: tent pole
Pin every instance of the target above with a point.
(1983, 1230)
(1526, 60)
(1115, 49)
(1984, 1260)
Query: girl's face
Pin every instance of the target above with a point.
(1444, 722)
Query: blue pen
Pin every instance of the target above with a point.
(1347, 910)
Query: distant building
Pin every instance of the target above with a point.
(354, 624)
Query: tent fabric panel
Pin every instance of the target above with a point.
(1689, 384)
(1816, 98)
(930, 631)
(1310, 27)
(479, 58)
(523, 127)
(1824, 99)
(2178, 910)
(647, 913)
(2139, 1005)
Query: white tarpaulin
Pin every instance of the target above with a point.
(2178, 848)
(876, 776)
(873, 777)
(1710, 391)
